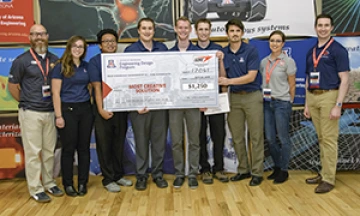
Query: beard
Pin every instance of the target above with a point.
(39, 47)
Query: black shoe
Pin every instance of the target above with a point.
(179, 181)
(193, 183)
(281, 177)
(82, 190)
(141, 184)
(256, 180)
(70, 191)
(41, 197)
(160, 182)
(56, 191)
(275, 172)
(239, 177)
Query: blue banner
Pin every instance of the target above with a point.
(297, 50)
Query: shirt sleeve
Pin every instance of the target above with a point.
(291, 67)
(253, 60)
(94, 71)
(342, 60)
(56, 72)
(16, 72)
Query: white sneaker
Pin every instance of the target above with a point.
(124, 182)
(112, 187)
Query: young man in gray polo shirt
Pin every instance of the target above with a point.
(29, 84)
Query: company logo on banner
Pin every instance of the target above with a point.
(260, 17)
(16, 18)
(352, 44)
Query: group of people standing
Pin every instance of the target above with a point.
(56, 93)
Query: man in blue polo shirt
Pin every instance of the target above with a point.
(327, 67)
(149, 126)
(110, 128)
(191, 116)
(216, 121)
(29, 83)
(241, 62)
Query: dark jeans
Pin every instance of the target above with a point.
(75, 135)
(217, 134)
(110, 138)
(277, 119)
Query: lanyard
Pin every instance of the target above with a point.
(40, 66)
(269, 72)
(316, 60)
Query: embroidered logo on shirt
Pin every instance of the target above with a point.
(33, 62)
(85, 70)
(241, 60)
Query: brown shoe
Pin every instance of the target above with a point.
(221, 177)
(207, 178)
(314, 180)
(324, 187)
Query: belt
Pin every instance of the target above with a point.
(243, 92)
(320, 91)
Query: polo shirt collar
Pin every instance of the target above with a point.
(281, 56)
(190, 47)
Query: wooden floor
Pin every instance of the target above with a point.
(291, 198)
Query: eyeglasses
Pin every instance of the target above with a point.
(35, 34)
(78, 47)
(108, 41)
(276, 41)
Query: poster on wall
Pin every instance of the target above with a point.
(260, 17)
(88, 17)
(346, 15)
(352, 44)
(16, 18)
(296, 49)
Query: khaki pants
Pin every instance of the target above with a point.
(327, 131)
(248, 109)
(38, 135)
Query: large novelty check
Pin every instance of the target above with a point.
(160, 80)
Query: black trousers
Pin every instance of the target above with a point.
(217, 134)
(75, 135)
(110, 138)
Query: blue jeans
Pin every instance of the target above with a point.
(277, 118)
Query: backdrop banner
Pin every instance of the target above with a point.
(16, 18)
(260, 17)
(87, 18)
(296, 49)
(8, 55)
(352, 44)
(346, 14)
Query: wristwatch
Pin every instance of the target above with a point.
(339, 104)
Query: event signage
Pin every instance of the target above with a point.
(260, 17)
(160, 80)
(16, 18)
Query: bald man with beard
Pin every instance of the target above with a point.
(29, 84)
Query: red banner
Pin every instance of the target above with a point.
(16, 18)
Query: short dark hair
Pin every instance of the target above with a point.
(145, 19)
(103, 32)
(278, 32)
(202, 20)
(324, 16)
(235, 22)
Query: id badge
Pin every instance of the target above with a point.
(314, 80)
(267, 94)
(46, 92)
